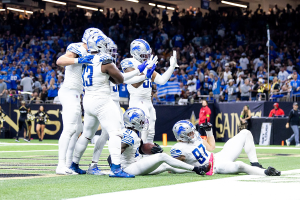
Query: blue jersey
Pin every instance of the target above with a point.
(13, 81)
(6, 79)
(295, 85)
(123, 92)
(216, 87)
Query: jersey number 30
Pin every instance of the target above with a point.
(87, 75)
(198, 155)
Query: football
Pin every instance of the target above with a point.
(146, 148)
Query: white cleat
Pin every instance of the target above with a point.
(64, 171)
(298, 145)
(287, 143)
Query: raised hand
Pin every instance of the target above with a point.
(173, 60)
(86, 59)
(206, 126)
(142, 66)
(150, 71)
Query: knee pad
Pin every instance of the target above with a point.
(69, 130)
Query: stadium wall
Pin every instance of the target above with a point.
(225, 119)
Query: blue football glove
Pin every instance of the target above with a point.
(150, 71)
(142, 66)
(86, 59)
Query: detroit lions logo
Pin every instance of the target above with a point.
(134, 115)
(180, 130)
(138, 48)
(126, 64)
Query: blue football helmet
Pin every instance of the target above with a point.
(88, 32)
(97, 43)
(135, 118)
(140, 50)
(181, 130)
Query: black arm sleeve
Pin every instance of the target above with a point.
(140, 148)
(290, 116)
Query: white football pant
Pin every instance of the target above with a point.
(100, 110)
(225, 159)
(72, 124)
(147, 106)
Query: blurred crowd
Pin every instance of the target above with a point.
(222, 55)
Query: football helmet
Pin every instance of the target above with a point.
(135, 118)
(111, 48)
(181, 130)
(140, 50)
(97, 43)
(88, 32)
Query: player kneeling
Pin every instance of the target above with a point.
(132, 146)
(193, 150)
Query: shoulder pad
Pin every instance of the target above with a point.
(175, 152)
(105, 58)
(77, 48)
(127, 137)
(127, 63)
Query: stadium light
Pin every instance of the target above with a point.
(19, 10)
(170, 8)
(160, 6)
(2, 9)
(86, 7)
(135, 1)
(234, 4)
(57, 2)
(101, 10)
(152, 4)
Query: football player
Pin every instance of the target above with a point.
(140, 93)
(99, 106)
(69, 96)
(193, 150)
(111, 48)
(135, 121)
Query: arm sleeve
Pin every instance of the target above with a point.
(130, 75)
(135, 79)
(162, 79)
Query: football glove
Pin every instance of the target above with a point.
(150, 71)
(156, 149)
(202, 170)
(173, 60)
(86, 59)
(206, 126)
(142, 66)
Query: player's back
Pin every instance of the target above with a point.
(96, 82)
(144, 90)
(73, 79)
(195, 153)
(131, 153)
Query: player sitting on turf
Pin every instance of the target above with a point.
(193, 150)
(132, 146)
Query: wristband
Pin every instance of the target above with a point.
(209, 133)
(75, 60)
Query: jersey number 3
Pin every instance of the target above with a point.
(87, 75)
(198, 155)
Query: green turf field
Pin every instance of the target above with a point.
(40, 159)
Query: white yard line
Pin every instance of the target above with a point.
(234, 188)
(37, 151)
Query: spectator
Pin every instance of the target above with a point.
(293, 121)
(26, 83)
(206, 86)
(276, 112)
(183, 100)
(295, 84)
(44, 94)
(227, 72)
(245, 91)
(14, 80)
(282, 75)
(191, 83)
(216, 89)
(52, 89)
(231, 91)
(3, 90)
(275, 88)
(258, 62)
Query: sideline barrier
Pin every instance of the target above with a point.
(224, 117)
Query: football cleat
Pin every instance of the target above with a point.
(287, 142)
(117, 172)
(256, 164)
(271, 171)
(17, 140)
(94, 170)
(25, 140)
(75, 168)
(64, 171)
(211, 161)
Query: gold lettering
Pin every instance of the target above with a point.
(55, 123)
(219, 126)
(226, 125)
(235, 122)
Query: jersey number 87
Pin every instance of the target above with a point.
(198, 155)
(87, 75)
